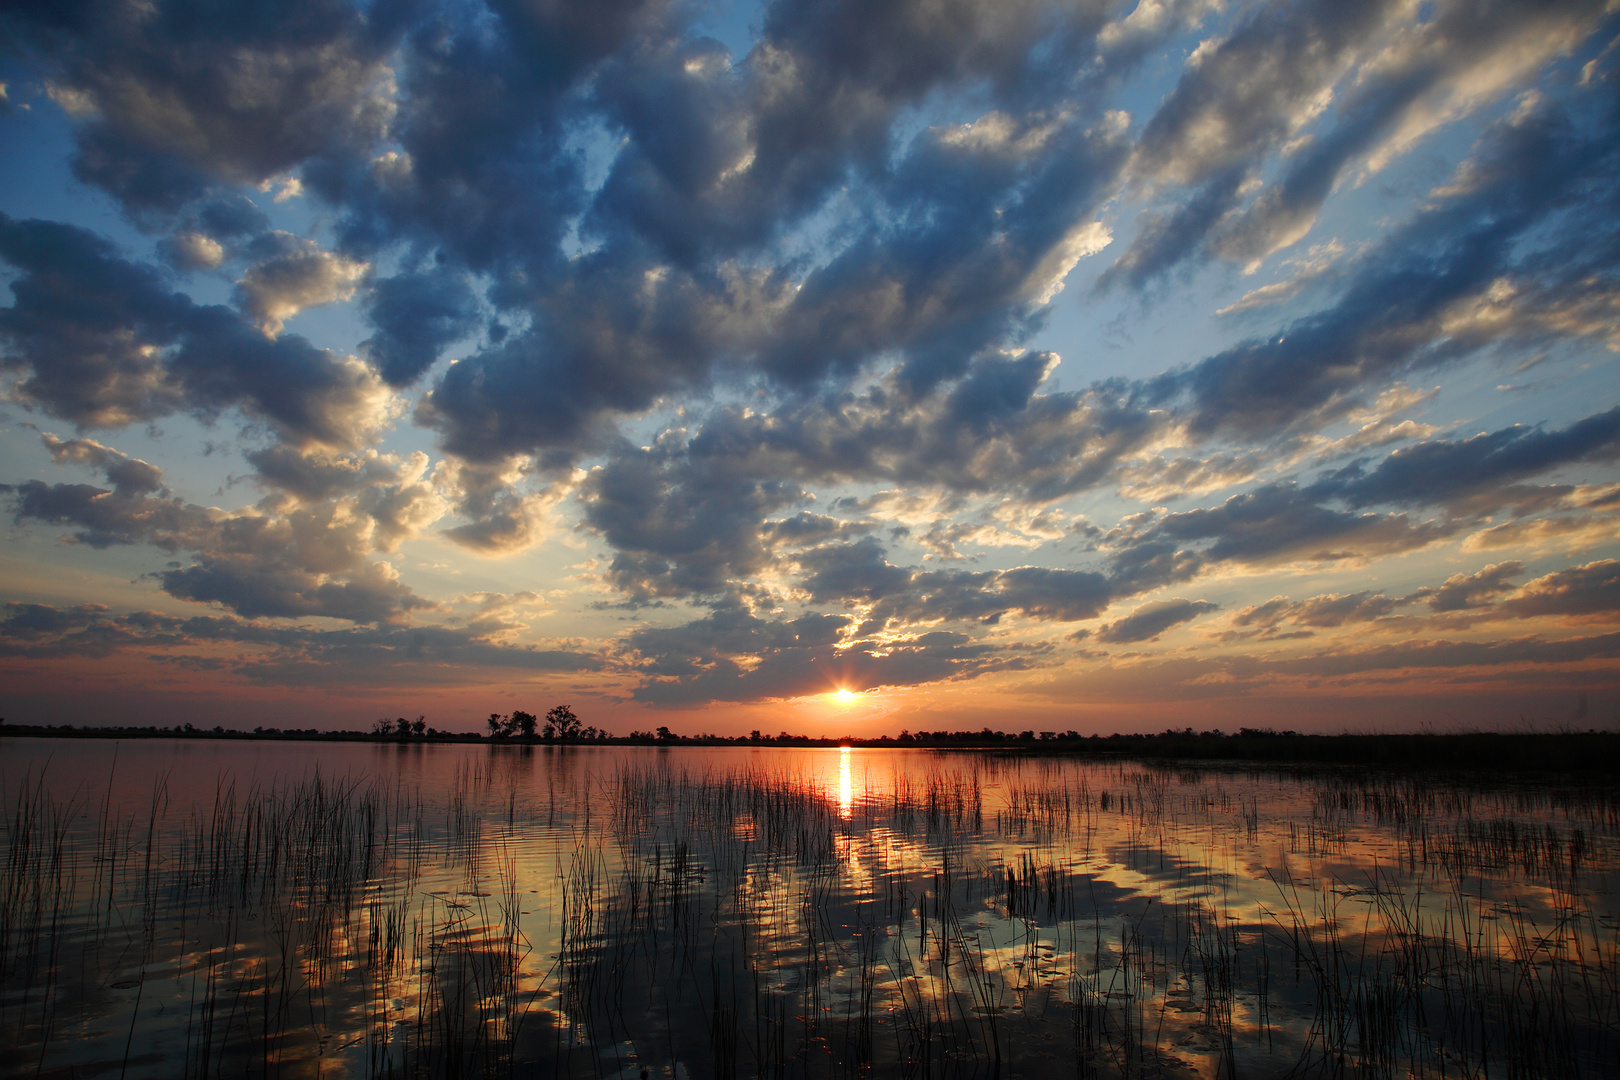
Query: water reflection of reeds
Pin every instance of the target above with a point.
(602, 913)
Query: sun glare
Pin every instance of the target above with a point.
(844, 696)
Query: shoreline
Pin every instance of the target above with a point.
(1583, 752)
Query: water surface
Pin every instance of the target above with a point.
(176, 907)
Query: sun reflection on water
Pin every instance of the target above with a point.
(845, 798)
(469, 913)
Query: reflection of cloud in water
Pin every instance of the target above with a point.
(805, 912)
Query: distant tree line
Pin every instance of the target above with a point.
(559, 725)
(1591, 751)
(402, 728)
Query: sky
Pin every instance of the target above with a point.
(1083, 366)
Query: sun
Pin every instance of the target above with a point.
(844, 696)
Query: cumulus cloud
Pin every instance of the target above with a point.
(193, 251)
(394, 494)
(900, 597)
(240, 576)
(137, 508)
(1591, 590)
(277, 654)
(100, 341)
(680, 525)
(86, 329)
(734, 655)
(174, 100)
(287, 556)
(417, 315)
(1588, 591)
(1149, 621)
(694, 511)
(1319, 612)
(1479, 473)
(1460, 592)
(273, 291)
(1280, 522)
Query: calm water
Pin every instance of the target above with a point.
(195, 908)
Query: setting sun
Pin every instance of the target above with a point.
(844, 696)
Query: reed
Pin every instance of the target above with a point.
(610, 912)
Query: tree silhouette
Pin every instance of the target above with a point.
(563, 722)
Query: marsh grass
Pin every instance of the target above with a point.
(602, 914)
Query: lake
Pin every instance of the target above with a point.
(194, 908)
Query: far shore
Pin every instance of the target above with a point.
(1585, 752)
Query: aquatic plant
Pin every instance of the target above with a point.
(579, 911)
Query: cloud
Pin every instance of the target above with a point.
(1259, 85)
(1591, 590)
(1324, 611)
(498, 517)
(283, 655)
(174, 100)
(1319, 89)
(1307, 269)
(192, 251)
(766, 331)
(1479, 473)
(241, 579)
(715, 158)
(87, 328)
(1572, 532)
(478, 164)
(285, 557)
(681, 523)
(694, 511)
(991, 430)
(1280, 522)
(138, 508)
(1452, 64)
(278, 288)
(720, 155)
(417, 315)
(624, 324)
(854, 573)
(1165, 238)
(1581, 591)
(733, 655)
(1149, 621)
(1035, 592)
(102, 343)
(1413, 682)
(692, 515)
(1461, 592)
(230, 216)
(1430, 293)
(1442, 654)
(1156, 479)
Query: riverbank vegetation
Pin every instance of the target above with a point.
(1582, 751)
(988, 914)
